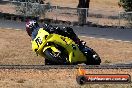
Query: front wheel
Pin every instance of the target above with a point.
(52, 58)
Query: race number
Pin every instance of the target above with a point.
(38, 41)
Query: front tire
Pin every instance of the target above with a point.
(52, 59)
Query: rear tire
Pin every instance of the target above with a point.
(92, 57)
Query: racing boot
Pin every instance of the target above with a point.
(82, 43)
(82, 47)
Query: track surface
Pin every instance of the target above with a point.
(108, 33)
(45, 67)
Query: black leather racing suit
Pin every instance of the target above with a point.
(65, 31)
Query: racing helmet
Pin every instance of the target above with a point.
(30, 26)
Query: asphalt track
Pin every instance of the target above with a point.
(103, 33)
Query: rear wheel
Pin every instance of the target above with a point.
(92, 57)
(52, 58)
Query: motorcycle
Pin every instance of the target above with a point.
(61, 50)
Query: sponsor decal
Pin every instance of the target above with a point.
(84, 78)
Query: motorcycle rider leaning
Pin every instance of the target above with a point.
(32, 28)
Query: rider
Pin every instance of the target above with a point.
(32, 28)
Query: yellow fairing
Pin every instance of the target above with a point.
(51, 47)
(74, 55)
(43, 37)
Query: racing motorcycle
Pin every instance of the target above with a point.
(61, 50)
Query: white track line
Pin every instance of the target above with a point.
(18, 29)
(88, 37)
(9, 28)
(108, 39)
